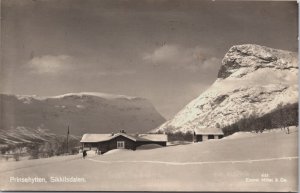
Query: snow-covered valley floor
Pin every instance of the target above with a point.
(241, 162)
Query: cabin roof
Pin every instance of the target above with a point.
(103, 137)
(92, 138)
(152, 137)
(208, 131)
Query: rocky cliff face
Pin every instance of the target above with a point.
(84, 112)
(243, 59)
(252, 79)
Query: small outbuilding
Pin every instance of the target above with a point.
(203, 134)
(106, 142)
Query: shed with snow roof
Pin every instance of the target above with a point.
(203, 134)
(121, 140)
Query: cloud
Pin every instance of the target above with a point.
(210, 63)
(49, 64)
(116, 73)
(163, 54)
(178, 57)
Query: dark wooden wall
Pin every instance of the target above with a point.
(129, 144)
(198, 138)
(105, 146)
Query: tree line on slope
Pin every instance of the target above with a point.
(178, 135)
(282, 117)
(41, 149)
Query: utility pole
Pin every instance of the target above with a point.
(68, 139)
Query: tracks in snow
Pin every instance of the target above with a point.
(196, 163)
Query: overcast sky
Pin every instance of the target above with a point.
(168, 51)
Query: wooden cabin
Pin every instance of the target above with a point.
(106, 142)
(203, 134)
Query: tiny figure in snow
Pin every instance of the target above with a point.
(84, 154)
(288, 130)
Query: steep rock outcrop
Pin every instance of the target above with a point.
(252, 79)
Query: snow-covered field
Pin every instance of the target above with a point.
(242, 162)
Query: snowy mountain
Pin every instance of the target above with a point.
(84, 112)
(252, 79)
(24, 135)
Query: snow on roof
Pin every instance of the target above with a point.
(103, 137)
(208, 131)
(95, 137)
(92, 138)
(153, 137)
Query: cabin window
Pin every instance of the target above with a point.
(199, 137)
(120, 144)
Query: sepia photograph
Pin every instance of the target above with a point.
(149, 95)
